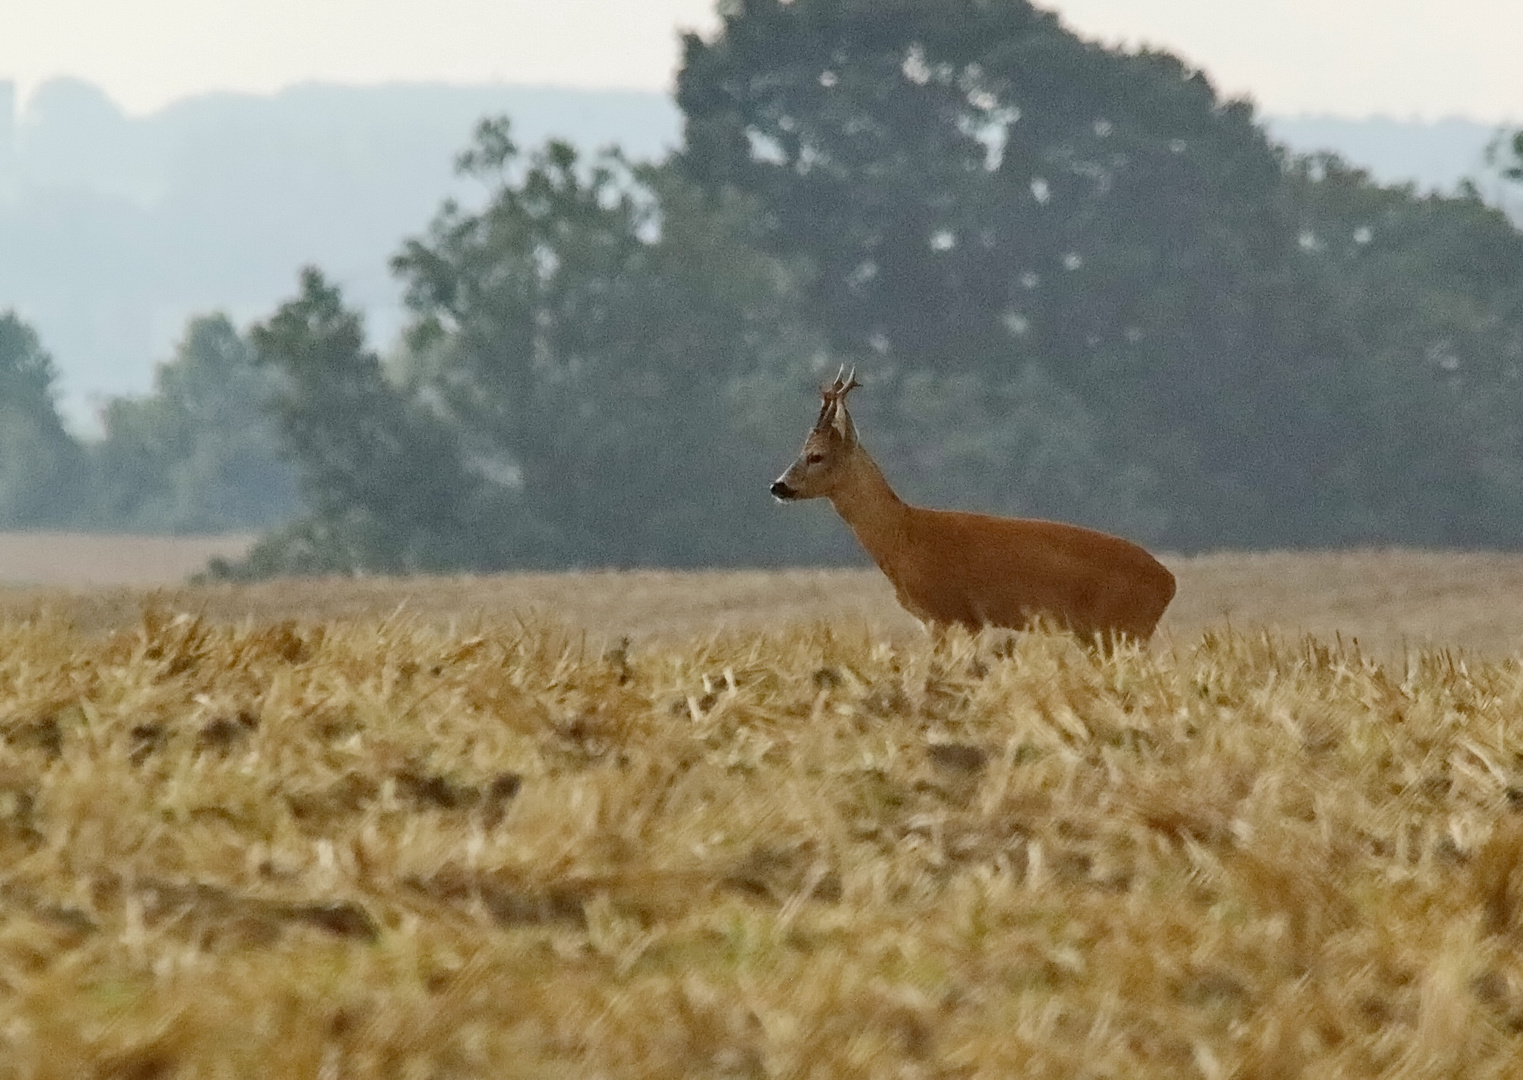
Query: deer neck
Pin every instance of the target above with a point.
(876, 515)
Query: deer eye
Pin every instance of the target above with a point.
(815, 459)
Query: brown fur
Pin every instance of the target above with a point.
(976, 569)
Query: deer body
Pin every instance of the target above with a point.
(976, 569)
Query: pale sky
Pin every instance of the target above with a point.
(1406, 58)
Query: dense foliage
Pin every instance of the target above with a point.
(383, 478)
(1078, 284)
(198, 455)
(40, 466)
(984, 194)
(595, 359)
(610, 344)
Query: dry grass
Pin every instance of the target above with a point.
(361, 845)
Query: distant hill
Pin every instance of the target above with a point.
(1434, 155)
(114, 230)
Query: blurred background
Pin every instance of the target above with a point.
(395, 287)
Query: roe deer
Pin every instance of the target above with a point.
(976, 569)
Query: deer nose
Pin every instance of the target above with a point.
(781, 490)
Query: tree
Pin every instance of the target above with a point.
(1428, 294)
(983, 193)
(1086, 287)
(41, 466)
(613, 343)
(200, 454)
(382, 480)
(1001, 212)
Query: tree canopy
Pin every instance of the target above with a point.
(982, 194)
(199, 454)
(587, 380)
(41, 469)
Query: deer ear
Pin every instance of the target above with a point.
(825, 419)
(840, 423)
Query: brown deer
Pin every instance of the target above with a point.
(976, 569)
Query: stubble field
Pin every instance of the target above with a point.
(464, 828)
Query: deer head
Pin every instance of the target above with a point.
(831, 443)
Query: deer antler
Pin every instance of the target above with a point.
(851, 384)
(839, 389)
(834, 395)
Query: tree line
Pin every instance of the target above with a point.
(1079, 284)
(199, 455)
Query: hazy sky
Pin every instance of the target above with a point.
(1427, 58)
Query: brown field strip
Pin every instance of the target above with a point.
(84, 560)
(1389, 601)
